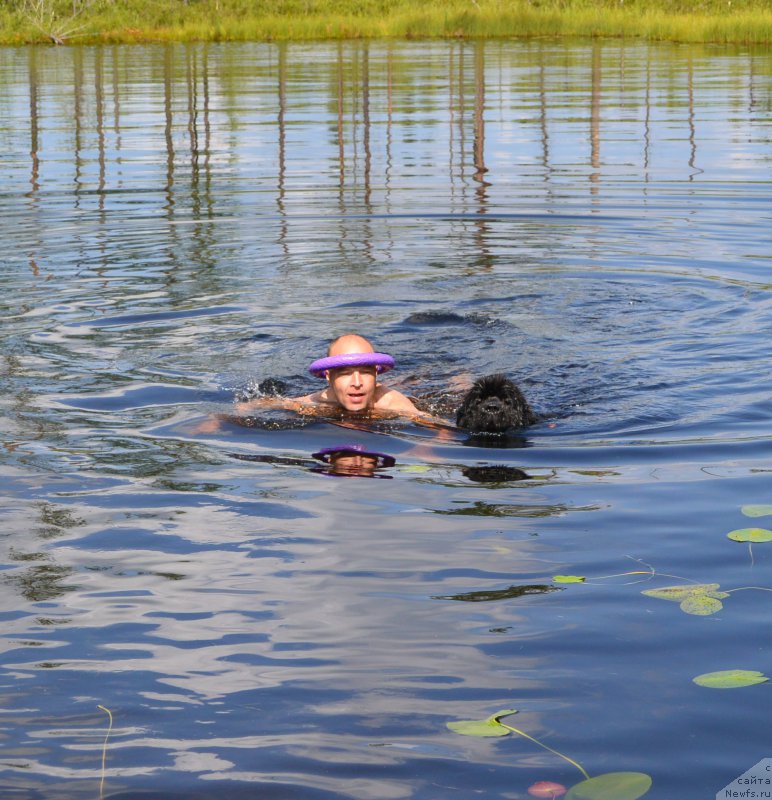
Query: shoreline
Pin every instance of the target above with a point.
(141, 21)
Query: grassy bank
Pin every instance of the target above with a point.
(80, 21)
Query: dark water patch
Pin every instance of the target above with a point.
(444, 318)
(482, 509)
(143, 397)
(375, 304)
(259, 337)
(126, 501)
(495, 474)
(142, 539)
(494, 595)
(501, 441)
(130, 320)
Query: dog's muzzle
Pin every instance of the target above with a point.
(491, 406)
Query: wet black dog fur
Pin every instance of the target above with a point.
(494, 405)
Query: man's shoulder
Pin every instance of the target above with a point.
(393, 400)
(316, 398)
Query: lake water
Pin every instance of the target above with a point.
(181, 223)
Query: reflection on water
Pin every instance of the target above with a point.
(353, 460)
(183, 225)
(178, 115)
(350, 460)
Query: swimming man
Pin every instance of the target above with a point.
(351, 370)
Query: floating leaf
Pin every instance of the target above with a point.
(568, 578)
(415, 468)
(680, 593)
(483, 727)
(492, 726)
(751, 535)
(611, 786)
(730, 678)
(701, 605)
(700, 599)
(757, 511)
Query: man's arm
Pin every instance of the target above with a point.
(398, 403)
(301, 405)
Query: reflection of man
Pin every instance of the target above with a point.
(353, 459)
(350, 464)
(349, 460)
(351, 369)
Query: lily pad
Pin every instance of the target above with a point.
(611, 786)
(757, 511)
(700, 599)
(730, 679)
(679, 593)
(750, 535)
(568, 578)
(702, 605)
(483, 727)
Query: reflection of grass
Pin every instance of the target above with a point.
(480, 509)
(486, 596)
(218, 20)
(42, 582)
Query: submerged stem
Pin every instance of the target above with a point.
(104, 750)
(547, 747)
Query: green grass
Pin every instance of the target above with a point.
(78, 21)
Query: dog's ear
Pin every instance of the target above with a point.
(462, 412)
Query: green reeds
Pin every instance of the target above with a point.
(79, 21)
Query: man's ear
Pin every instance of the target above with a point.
(327, 375)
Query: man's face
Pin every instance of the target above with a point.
(353, 387)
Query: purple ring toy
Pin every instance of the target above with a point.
(381, 361)
(383, 460)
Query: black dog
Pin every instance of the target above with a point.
(494, 405)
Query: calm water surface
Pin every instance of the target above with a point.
(181, 223)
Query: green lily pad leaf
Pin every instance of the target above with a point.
(757, 511)
(568, 578)
(611, 786)
(751, 535)
(702, 605)
(700, 599)
(680, 593)
(483, 727)
(730, 678)
(415, 468)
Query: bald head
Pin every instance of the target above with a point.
(349, 343)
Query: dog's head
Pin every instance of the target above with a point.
(494, 405)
